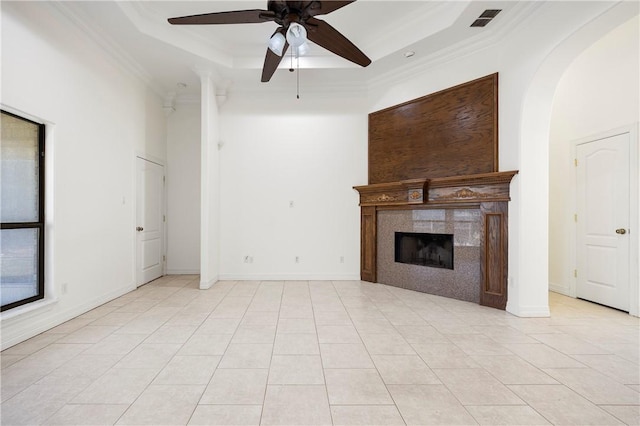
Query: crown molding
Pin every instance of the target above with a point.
(330, 88)
(334, 92)
(108, 45)
(432, 18)
(149, 22)
(456, 51)
(189, 99)
(146, 21)
(374, 81)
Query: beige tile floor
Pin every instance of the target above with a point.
(322, 352)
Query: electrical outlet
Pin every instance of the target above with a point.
(297, 259)
(341, 259)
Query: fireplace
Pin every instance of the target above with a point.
(433, 168)
(424, 249)
(472, 208)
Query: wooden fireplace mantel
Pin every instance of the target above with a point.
(488, 192)
(479, 188)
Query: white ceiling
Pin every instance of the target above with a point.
(138, 33)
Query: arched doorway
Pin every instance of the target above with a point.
(535, 134)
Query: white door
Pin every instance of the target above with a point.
(149, 221)
(603, 221)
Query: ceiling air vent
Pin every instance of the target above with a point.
(486, 17)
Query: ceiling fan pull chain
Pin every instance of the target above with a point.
(298, 78)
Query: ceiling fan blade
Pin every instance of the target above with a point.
(271, 62)
(254, 16)
(323, 7)
(323, 34)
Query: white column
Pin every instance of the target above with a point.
(210, 184)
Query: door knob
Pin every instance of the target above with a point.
(621, 231)
(140, 229)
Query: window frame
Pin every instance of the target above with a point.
(40, 224)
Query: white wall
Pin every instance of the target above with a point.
(280, 150)
(183, 190)
(99, 117)
(530, 62)
(597, 93)
(264, 165)
(276, 150)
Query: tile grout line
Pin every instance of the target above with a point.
(315, 327)
(109, 369)
(273, 346)
(192, 334)
(375, 302)
(369, 354)
(159, 371)
(214, 370)
(435, 373)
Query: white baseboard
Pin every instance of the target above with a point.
(560, 288)
(528, 311)
(182, 272)
(206, 284)
(20, 328)
(290, 277)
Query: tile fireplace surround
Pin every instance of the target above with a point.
(463, 282)
(474, 208)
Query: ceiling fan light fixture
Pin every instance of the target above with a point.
(301, 50)
(276, 43)
(296, 35)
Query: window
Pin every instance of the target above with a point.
(21, 210)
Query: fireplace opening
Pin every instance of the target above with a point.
(434, 250)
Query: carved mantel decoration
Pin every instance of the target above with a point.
(488, 192)
(467, 189)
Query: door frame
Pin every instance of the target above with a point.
(159, 162)
(634, 216)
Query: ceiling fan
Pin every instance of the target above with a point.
(297, 23)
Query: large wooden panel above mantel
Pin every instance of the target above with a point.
(449, 133)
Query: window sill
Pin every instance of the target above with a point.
(31, 308)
